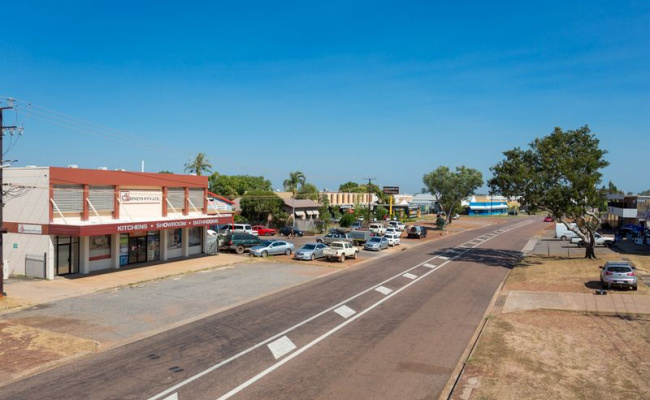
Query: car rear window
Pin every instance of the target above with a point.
(619, 269)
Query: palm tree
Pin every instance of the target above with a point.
(198, 165)
(295, 178)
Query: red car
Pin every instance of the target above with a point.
(546, 219)
(263, 231)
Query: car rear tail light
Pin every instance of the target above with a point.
(631, 273)
(608, 273)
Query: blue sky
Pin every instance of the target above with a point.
(340, 90)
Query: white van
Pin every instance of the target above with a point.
(561, 231)
(246, 228)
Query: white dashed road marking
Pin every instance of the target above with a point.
(410, 276)
(172, 397)
(345, 311)
(281, 347)
(428, 265)
(383, 290)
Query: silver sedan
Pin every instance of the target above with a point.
(376, 243)
(272, 247)
(310, 251)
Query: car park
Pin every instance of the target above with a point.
(376, 244)
(393, 239)
(619, 273)
(264, 231)
(271, 248)
(239, 242)
(310, 251)
(291, 231)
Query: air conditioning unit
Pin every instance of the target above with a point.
(73, 166)
(103, 168)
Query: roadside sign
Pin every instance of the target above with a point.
(391, 189)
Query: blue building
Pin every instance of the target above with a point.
(488, 205)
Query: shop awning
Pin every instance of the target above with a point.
(300, 213)
(310, 212)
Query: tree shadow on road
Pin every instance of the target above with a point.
(491, 257)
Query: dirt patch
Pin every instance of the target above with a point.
(25, 349)
(578, 275)
(548, 354)
(11, 304)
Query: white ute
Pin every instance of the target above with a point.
(340, 251)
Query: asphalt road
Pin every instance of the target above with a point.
(391, 328)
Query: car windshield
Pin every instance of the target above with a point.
(266, 243)
(309, 247)
(375, 240)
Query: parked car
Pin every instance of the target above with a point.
(291, 231)
(513, 212)
(245, 228)
(396, 224)
(417, 231)
(239, 242)
(333, 237)
(340, 251)
(548, 219)
(376, 244)
(599, 240)
(264, 231)
(455, 216)
(393, 230)
(393, 239)
(310, 251)
(618, 273)
(356, 225)
(361, 237)
(562, 232)
(271, 248)
(377, 228)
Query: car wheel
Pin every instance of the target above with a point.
(581, 244)
(287, 252)
(265, 254)
(239, 249)
(608, 244)
(354, 256)
(342, 258)
(563, 238)
(634, 287)
(319, 240)
(313, 257)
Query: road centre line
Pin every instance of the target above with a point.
(315, 316)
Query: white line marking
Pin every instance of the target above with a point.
(383, 290)
(172, 397)
(281, 347)
(443, 258)
(345, 311)
(410, 276)
(306, 321)
(428, 265)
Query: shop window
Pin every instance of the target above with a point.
(176, 197)
(68, 198)
(100, 247)
(174, 238)
(102, 197)
(195, 235)
(153, 246)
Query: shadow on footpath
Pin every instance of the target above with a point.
(491, 257)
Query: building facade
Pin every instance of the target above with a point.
(488, 205)
(64, 221)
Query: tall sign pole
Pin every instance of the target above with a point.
(391, 190)
(2, 228)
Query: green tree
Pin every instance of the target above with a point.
(449, 188)
(381, 213)
(347, 219)
(559, 174)
(350, 187)
(324, 212)
(296, 179)
(165, 172)
(198, 165)
(645, 193)
(257, 205)
(308, 191)
(236, 185)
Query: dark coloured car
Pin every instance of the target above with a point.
(417, 231)
(291, 231)
(239, 242)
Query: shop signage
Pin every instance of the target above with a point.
(140, 197)
(33, 229)
(148, 226)
(391, 189)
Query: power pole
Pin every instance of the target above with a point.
(369, 195)
(2, 228)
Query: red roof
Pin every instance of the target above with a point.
(225, 200)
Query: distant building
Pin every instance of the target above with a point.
(347, 200)
(303, 209)
(488, 205)
(628, 209)
(426, 203)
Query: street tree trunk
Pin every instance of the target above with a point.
(590, 253)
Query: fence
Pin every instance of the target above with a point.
(35, 265)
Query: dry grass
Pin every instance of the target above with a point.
(25, 349)
(578, 275)
(560, 355)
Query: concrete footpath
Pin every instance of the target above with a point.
(612, 303)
